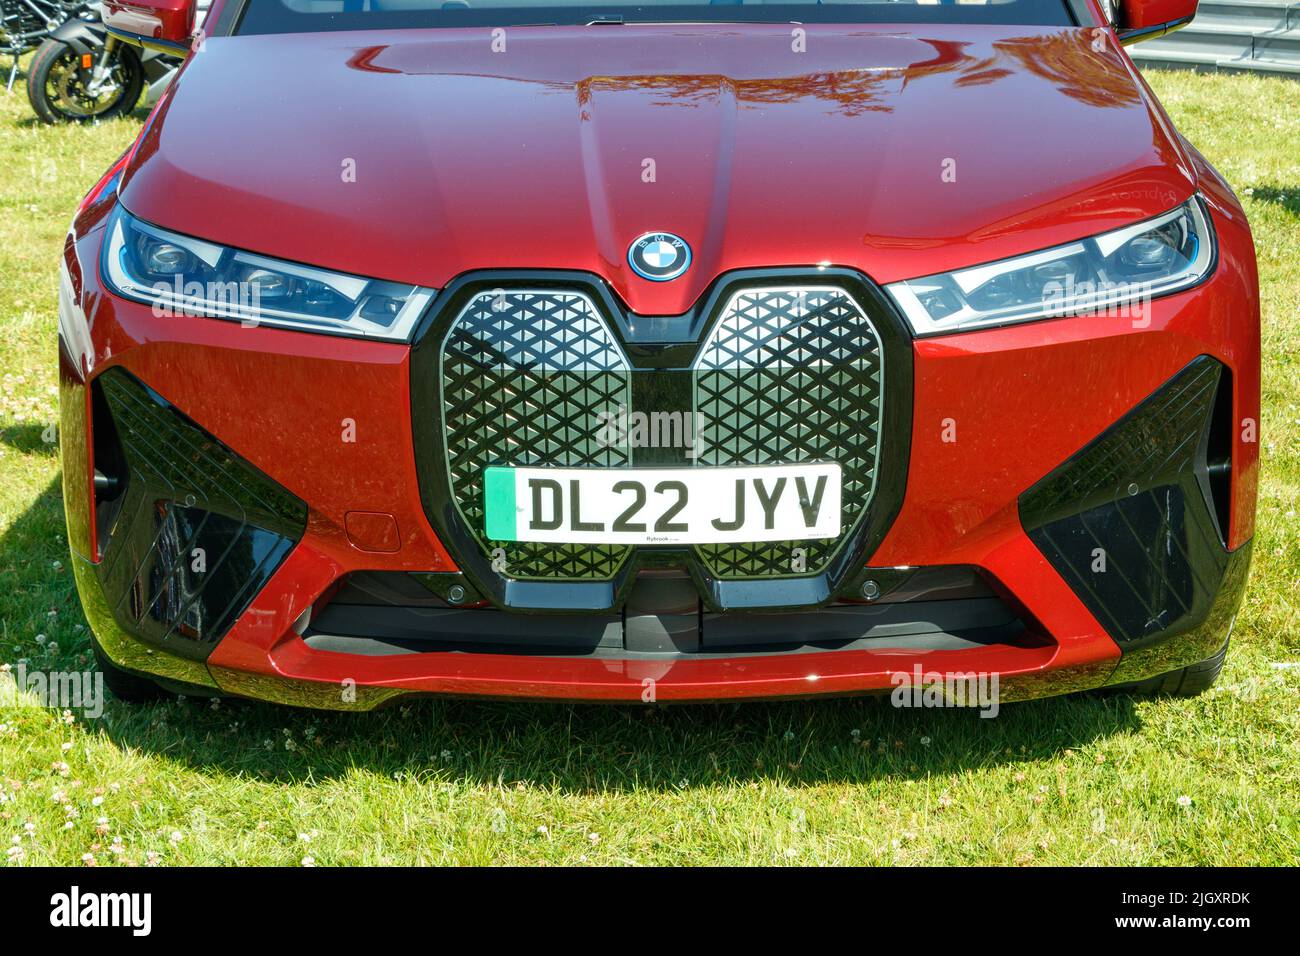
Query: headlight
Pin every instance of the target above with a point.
(1120, 270)
(179, 275)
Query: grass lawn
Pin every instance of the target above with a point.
(1090, 780)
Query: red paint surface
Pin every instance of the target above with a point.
(174, 18)
(1138, 14)
(467, 161)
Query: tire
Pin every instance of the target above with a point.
(126, 686)
(56, 91)
(1187, 682)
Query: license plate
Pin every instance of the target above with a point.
(663, 505)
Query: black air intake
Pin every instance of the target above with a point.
(1136, 521)
(193, 531)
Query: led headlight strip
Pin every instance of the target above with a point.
(1123, 269)
(181, 275)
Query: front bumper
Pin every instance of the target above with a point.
(1020, 452)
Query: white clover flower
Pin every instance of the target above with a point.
(1184, 801)
(308, 861)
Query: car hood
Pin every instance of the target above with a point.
(417, 155)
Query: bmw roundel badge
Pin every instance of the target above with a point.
(659, 256)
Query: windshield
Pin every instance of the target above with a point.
(309, 16)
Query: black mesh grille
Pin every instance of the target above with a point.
(181, 462)
(1127, 521)
(199, 530)
(524, 376)
(791, 375)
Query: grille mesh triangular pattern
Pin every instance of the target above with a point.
(524, 375)
(790, 375)
(786, 375)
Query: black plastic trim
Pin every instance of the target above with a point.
(960, 624)
(195, 532)
(1129, 521)
(1129, 37)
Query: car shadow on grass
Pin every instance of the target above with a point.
(583, 748)
(1286, 197)
(29, 437)
(579, 748)
(33, 122)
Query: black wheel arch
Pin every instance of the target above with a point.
(84, 36)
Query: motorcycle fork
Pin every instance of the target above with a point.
(100, 74)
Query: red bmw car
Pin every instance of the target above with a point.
(663, 351)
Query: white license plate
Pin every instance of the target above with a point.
(662, 505)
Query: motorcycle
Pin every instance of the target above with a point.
(25, 23)
(79, 72)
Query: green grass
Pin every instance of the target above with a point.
(1090, 779)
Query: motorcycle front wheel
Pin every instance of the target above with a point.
(59, 86)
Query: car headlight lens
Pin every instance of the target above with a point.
(180, 275)
(1121, 270)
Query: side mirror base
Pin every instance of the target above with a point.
(1138, 34)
